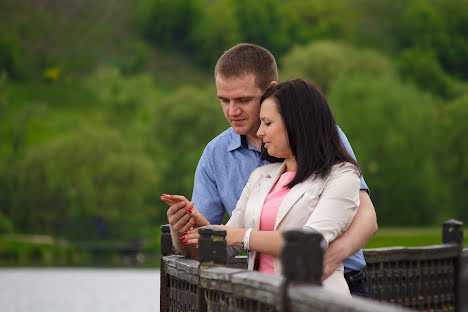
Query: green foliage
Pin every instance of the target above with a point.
(120, 95)
(5, 224)
(9, 56)
(423, 68)
(216, 32)
(455, 155)
(439, 27)
(324, 61)
(170, 23)
(264, 23)
(102, 178)
(120, 126)
(393, 128)
(184, 123)
(320, 19)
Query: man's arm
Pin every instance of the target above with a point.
(205, 194)
(363, 227)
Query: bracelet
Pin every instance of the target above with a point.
(246, 241)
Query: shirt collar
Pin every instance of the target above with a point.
(238, 141)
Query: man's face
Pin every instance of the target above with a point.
(240, 99)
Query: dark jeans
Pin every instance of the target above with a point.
(360, 291)
(357, 283)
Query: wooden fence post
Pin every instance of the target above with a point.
(166, 249)
(301, 261)
(452, 233)
(212, 246)
(302, 256)
(212, 251)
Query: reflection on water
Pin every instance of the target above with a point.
(95, 290)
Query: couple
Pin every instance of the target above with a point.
(316, 186)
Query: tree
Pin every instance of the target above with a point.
(455, 154)
(324, 61)
(395, 132)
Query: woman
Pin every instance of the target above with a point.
(316, 184)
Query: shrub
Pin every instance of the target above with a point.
(395, 132)
(9, 56)
(324, 61)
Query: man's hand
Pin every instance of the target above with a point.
(360, 231)
(331, 260)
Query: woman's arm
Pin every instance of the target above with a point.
(268, 242)
(338, 203)
(361, 230)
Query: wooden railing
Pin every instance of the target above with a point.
(430, 278)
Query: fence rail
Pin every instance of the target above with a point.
(430, 278)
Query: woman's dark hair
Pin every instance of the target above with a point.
(312, 131)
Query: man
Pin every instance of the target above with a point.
(242, 75)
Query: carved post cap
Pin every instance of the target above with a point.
(302, 256)
(212, 246)
(166, 240)
(452, 232)
(211, 230)
(165, 228)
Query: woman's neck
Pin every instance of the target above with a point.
(291, 165)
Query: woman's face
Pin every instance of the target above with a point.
(272, 130)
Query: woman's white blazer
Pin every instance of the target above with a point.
(327, 205)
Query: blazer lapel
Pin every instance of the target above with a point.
(258, 198)
(291, 198)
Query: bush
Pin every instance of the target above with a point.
(84, 174)
(5, 224)
(423, 68)
(185, 122)
(395, 132)
(438, 27)
(324, 61)
(216, 32)
(170, 23)
(455, 154)
(9, 56)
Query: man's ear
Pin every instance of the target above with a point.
(272, 84)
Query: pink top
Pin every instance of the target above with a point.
(268, 217)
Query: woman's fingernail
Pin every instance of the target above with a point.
(189, 210)
(195, 246)
(182, 238)
(185, 233)
(185, 241)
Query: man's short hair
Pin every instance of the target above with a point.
(246, 58)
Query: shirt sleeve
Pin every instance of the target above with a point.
(349, 149)
(338, 203)
(205, 194)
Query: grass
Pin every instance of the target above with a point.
(409, 236)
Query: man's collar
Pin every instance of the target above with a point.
(237, 141)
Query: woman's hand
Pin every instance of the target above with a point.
(182, 214)
(234, 236)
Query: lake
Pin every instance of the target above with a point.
(90, 290)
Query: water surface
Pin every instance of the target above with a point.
(90, 290)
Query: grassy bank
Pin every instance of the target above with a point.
(409, 236)
(46, 251)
